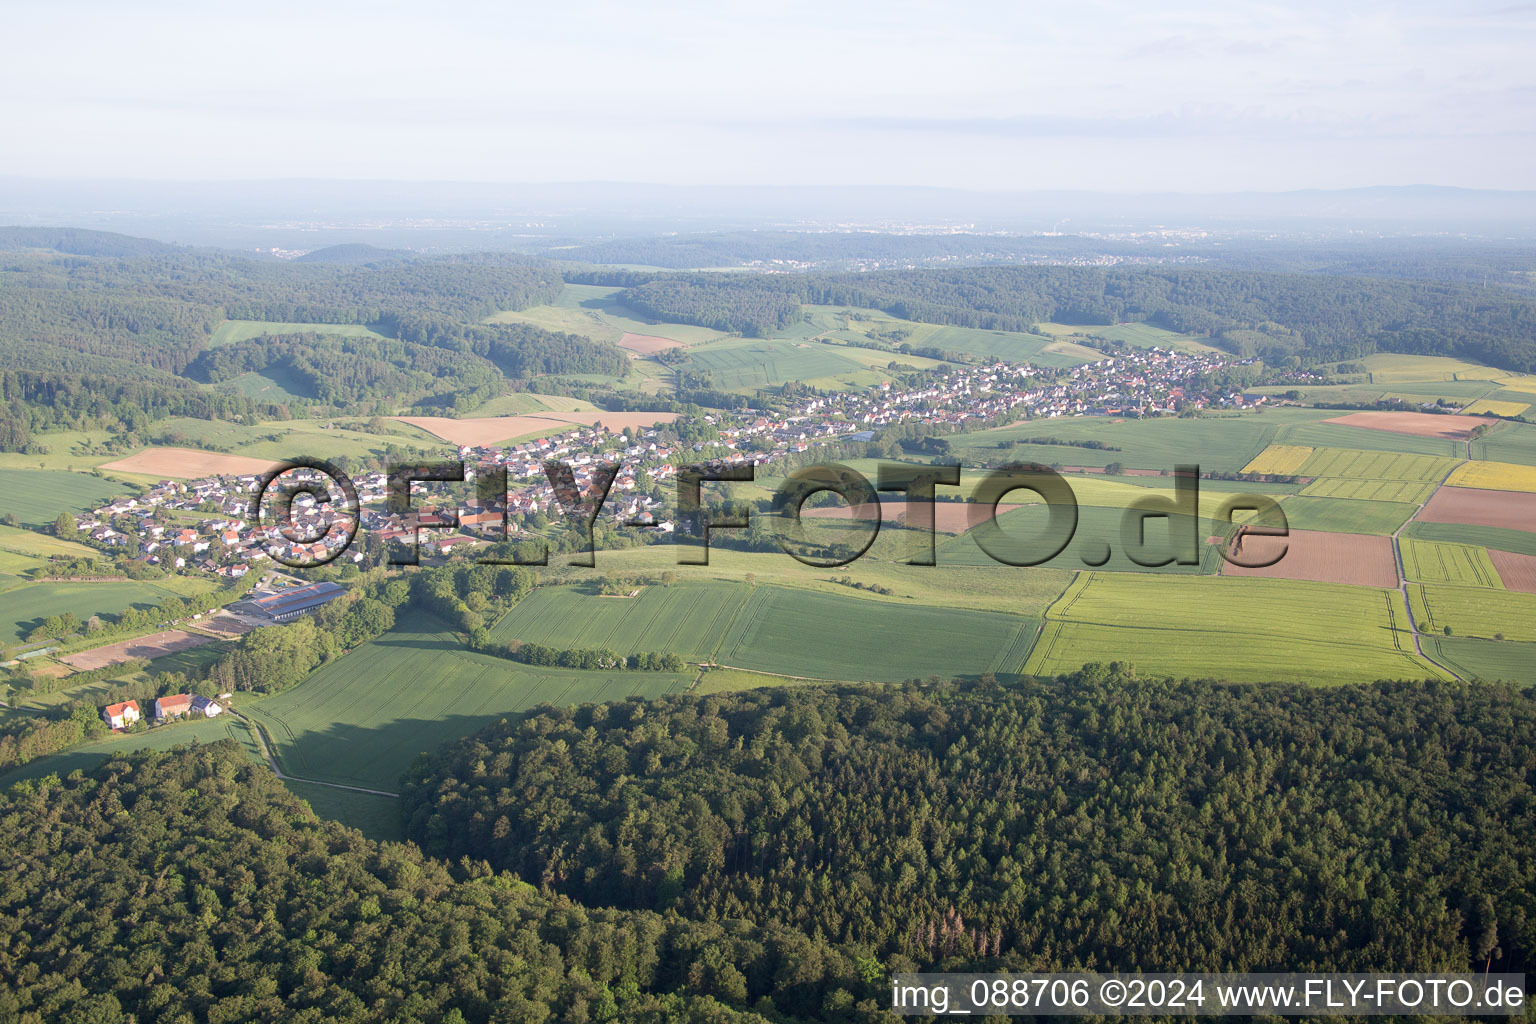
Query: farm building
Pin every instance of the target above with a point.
(121, 716)
(174, 706)
(288, 605)
(207, 708)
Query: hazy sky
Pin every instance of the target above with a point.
(1139, 96)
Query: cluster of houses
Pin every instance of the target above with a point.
(168, 708)
(1132, 382)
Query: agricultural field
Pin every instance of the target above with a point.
(1496, 407)
(746, 364)
(1516, 571)
(775, 629)
(1390, 367)
(1474, 612)
(362, 719)
(1411, 492)
(1097, 526)
(1508, 442)
(1357, 559)
(1518, 541)
(1280, 459)
(274, 384)
(1216, 443)
(1427, 561)
(1506, 510)
(1245, 630)
(231, 332)
(1345, 515)
(1485, 659)
(37, 496)
(595, 312)
(1375, 465)
(24, 607)
(850, 324)
(41, 545)
(1495, 476)
(522, 403)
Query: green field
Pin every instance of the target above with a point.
(1474, 612)
(1345, 515)
(1518, 541)
(1215, 443)
(520, 403)
(854, 324)
(1508, 442)
(777, 629)
(37, 496)
(362, 720)
(1244, 630)
(1402, 492)
(1428, 561)
(286, 439)
(231, 332)
(1375, 465)
(745, 364)
(275, 384)
(1485, 659)
(1389, 367)
(594, 311)
(1339, 435)
(1135, 335)
(24, 607)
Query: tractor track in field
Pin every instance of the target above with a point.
(266, 750)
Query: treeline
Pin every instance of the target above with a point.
(1097, 820)
(34, 402)
(199, 888)
(1316, 318)
(578, 657)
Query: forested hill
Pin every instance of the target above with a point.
(1097, 820)
(77, 306)
(193, 886)
(1313, 317)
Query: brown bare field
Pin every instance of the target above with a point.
(1356, 558)
(948, 516)
(188, 464)
(1477, 506)
(227, 625)
(152, 646)
(1517, 571)
(488, 430)
(1419, 424)
(647, 344)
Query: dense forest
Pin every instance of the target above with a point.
(1095, 820)
(194, 886)
(1313, 317)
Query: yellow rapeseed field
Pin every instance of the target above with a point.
(1495, 476)
(1279, 458)
(1496, 407)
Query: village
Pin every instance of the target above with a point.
(1131, 383)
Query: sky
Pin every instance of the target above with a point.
(1021, 95)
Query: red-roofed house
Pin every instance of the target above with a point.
(174, 706)
(121, 716)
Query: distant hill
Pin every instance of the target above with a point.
(81, 242)
(354, 253)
